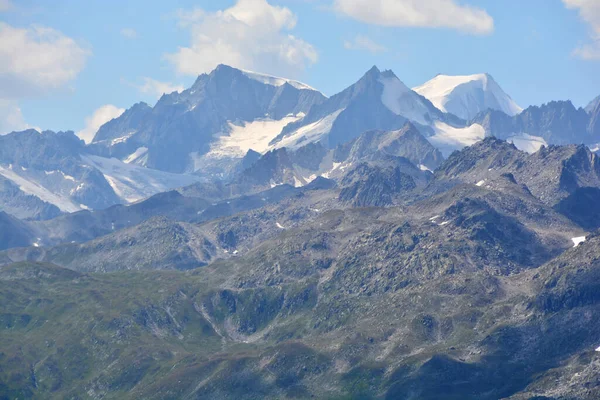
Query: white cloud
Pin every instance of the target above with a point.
(5, 5)
(361, 42)
(101, 116)
(129, 33)
(37, 59)
(418, 13)
(11, 118)
(158, 88)
(252, 35)
(33, 61)
(588, 51)
(589, 10)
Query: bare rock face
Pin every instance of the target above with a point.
(557, 122)
(551, 174)
(594, 128)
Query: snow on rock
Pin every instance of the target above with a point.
(36, 189)
(578, 240)
(65, 176)
(467, 95)
(448, 138)
(276, 81)
(297, 182)
(527, 143)
(480, 183)
(279, 225)
(424, 168)
(309, 133)
(598, 349)
(133, 183)
(336, 166)
(254, 135)
(122, 139)
(400, 100)
(140, 156)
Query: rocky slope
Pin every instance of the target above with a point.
(276, 330)
(592, 106)
(43, 175)
(551, 174)
(379, 100)
(15, 233)
(475, 282)
(209, 126)
(557, 122)
(156, 243)
(300, 167)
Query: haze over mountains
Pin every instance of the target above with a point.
(252, 238)
(208, 130)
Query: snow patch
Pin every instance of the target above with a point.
(36, 189)
(424, 168)
(254, 135)
(122, 139)
(578, 240)
(335, 167)
(276, 81)
(279, 225)
(527, 143)
(448, 138)
(140, 154)
(309, 133)
(480, 183)
(65, 176)
(133, 183)
(400, 100)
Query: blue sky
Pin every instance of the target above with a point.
(73, 64)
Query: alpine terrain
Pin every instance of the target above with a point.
(251, 238)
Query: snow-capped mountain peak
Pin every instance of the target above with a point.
(467, 95)
(276, 81)
(378, 100)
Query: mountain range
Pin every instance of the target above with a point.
(252, 238)
(231, 117)
(467, 275)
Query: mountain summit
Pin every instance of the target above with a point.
(467, 95)
(222, 116)
(379, 100)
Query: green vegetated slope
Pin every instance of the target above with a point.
(257, 328)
